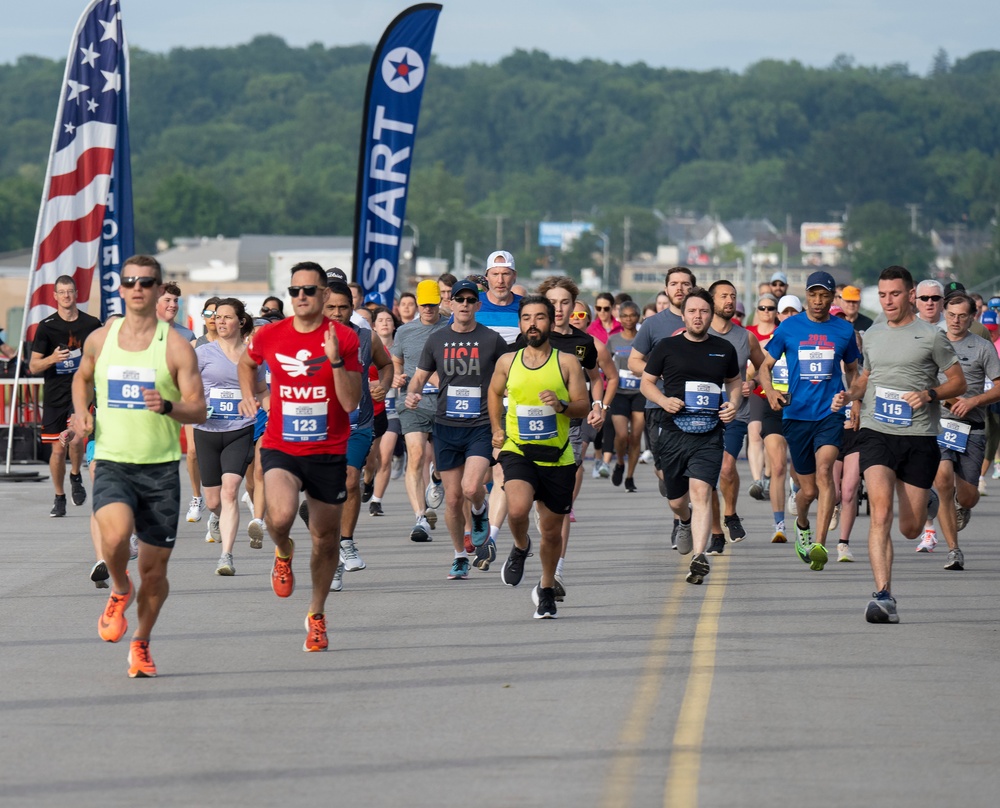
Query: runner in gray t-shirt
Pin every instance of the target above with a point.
(899, 420)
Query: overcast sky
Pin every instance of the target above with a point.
(695, 35)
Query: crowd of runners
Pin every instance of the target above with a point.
(498, 393)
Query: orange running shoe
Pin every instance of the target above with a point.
(282, 579)
(316, 633)
(112, 625)
(140, 663)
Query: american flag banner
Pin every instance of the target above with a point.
(82, 225)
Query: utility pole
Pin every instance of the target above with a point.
(527, 237)
(627, 243)
(914, 210)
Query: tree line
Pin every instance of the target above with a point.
(263, 138)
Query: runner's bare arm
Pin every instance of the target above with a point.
(494, 398)
(83, 383)
(579, 400)
(855, 392)
(382, 360)
(954, 385)
(246, 371)
(637, 362)
(183, 364)
(734, 392)
(414, 388)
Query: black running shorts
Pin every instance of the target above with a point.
(152, 491)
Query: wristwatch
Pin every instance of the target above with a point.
(932, 393)
(168, 407)
(601, 404)
(565, 406)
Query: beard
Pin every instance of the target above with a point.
(536, 338)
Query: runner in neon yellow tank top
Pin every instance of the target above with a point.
(546, 389)
(148, 384)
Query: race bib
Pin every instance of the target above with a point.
(702, 397)
(954, 435)
(390, 405)
(536, 423)
(353, 417)
(463, 402)
(627, 380)
(125, 386)
(225, 403)
(779, 373)
(70, 364)
(429, 390)
(815, 364)
(890, 407)
(303, 423)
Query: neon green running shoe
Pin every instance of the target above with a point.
(817, 557)
(803, 542)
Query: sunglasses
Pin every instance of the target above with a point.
(208, 313)
(603, 308)
(578, 315)
(930, 298)
(269, 311)
(145, 282)
(472, 301)
(767, 308)
(309, 291)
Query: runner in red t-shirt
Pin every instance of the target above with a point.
(315, 383)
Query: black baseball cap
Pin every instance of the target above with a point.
(464, 286)
(954, 288)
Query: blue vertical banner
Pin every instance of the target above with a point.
(118, 232)
(392, 105)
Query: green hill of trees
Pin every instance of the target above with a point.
(263, 138)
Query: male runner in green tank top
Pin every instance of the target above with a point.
(146, 379)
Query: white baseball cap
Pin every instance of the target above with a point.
(789, 302)
(500, 258)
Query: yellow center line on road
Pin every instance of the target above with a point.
(685, 759)
(618, 790)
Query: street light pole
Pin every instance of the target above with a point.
(607, 243)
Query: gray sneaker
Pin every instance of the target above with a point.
(881, 608)
(349, 558)
(956, 560)
(338, 578)
(685, 542)
(698, 570)
(226, 565)
(962, 516)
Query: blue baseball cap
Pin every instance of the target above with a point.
(994, 303)
(990, 320)
(822, 280)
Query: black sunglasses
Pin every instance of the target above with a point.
(930, 298)
(145, 282)
(266, 310)
(602, 308)
(767, 308)
(472, 301)
(310, 291)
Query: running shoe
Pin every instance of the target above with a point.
(767, 488)
(77, 491)
(835, 518)
(757, 490)
(928, 542)
(630, 485)
(432, 518)
(933, 504)
(982, 486)
(397, 468)
(338, 578)
(421, 531)
(255, 530)
(791, 506)
(779, 536)
(58, 506)
(99, 575)
(818, 556)
(140, 663)
(226, 567)
(214, 535)
(315, 633)
(673, 534)
(349, 556)
(304, 512)
(803, 541)
(560, 587)
(434, 494)
(956, 560)
(195, 508)
(246, 500)
(467, 545)
(112, 625)
(485, 555)
(996, 471)
(734, 527)
(698, 570)
(545, 602)
(133, 547)
(282, 578)
(603, 469)
(646, 457)
(596, 473)
(618, 475)
(684, 540)
(513, 568)
(367, 490)
(716, 544)
(375, 509)
(459, 569)
(881, 608)
(962, 516)
(572, 515)
(844, 552)
(481, 525)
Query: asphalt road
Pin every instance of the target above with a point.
(763, 687)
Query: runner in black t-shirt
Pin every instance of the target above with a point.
(694, 367)
(463, 355)
(56, 353)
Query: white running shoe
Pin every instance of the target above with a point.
(133, 547)
(646, 457)
(791, 506)
(245, 499)
(349, 558)
(982, 486)
(928, 542)
(195, 508)
(434, 495)
(844, 552)
(214, 534)
(255, 530)
(835, 518)
(397, 468)
(338, 577)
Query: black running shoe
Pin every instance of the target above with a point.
(716, 544)
(375, 509)
(59, 506)
(304, 512)
(486, 554)
(630, 485)
(367, 489)
(513, 568)
(618, 474)
(698, 570)
(545, 602)
(77, 491)
(99, 575)
(735, 528)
